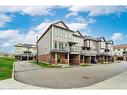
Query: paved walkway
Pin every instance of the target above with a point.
(13, 84)
(116, 82)
(66, 77)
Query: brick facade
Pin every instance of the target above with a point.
(44, 58)
(75, 59)
(51, 58)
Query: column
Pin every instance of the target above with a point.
(103, 59)
(20, 57)
(68, 57)
(83, 59)
(124, 58)
(55, 58)
(90, 59)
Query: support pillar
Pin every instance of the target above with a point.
(83, 59)
(103, 58)
(20, 57)
(68, 59)
(55, 58)
(124, 58)
(90, 59)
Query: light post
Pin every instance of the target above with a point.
(37, 50)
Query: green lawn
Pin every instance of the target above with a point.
(85, 65)
(6, 67)
(45, 65)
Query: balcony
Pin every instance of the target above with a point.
(88, 52)
(106, 53)
(74, 49)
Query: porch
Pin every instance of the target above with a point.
(65, 58)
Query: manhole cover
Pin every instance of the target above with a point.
(85, 77)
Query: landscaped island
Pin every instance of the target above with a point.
(6, 67)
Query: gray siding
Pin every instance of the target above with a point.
(45, 43)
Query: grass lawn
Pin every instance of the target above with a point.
(6, 67)
(85, 65)
(45, 65)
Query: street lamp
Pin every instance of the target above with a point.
(37, 50)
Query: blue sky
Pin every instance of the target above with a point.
(21, 24)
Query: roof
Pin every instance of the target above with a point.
(100, 38)
(89, 37)
(25, 45)
(110, 42)
(62, 23)
(54, 24)
(120, 46)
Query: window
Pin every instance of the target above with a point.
(65, 44)
(118, 49)
(55, 31)
(65, 34)
(60, 45)
(69, 35)
(55, 45)
(60, 31)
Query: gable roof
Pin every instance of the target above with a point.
(55, 25)
(61, 22)
(100, 38)
(75, 34)
(89, 38)
(110, 42)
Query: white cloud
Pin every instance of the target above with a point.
(8, 38)
(4, 19)
(77, 26)
(117, 36)
(33, 11)
(96, 10)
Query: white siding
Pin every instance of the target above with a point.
(103, 45)
(61, 25)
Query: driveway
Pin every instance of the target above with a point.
(66, 77)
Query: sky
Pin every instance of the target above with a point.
(22, 24)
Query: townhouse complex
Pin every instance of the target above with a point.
(59, 44)
(25, 51)
(120, 52)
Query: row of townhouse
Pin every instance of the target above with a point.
(25, 51)
(120, 52)
(59, 44)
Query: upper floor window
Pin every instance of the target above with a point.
(55, 45)
(118, 49)
(55, 31)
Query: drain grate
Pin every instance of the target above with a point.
(85, 77)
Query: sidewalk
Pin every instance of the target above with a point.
(13, 84)
(117, 82)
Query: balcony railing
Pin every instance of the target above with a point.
(88, 52)
(106, 53)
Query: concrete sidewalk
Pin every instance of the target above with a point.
(117, 82)
(13, 84)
